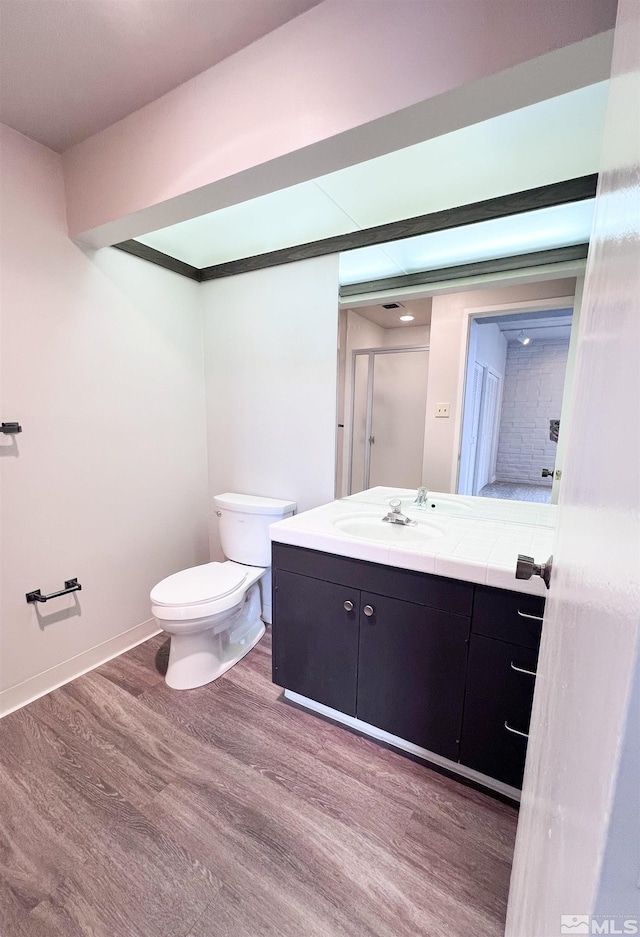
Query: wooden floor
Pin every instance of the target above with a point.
(132, 810)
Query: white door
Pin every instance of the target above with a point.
(577, 850)
(475, 407)
(486, 448)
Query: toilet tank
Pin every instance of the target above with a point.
(244, 526)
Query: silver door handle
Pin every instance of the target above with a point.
(526, 567)
(532, 673)
(348, 606)
(368, 610)
(533, 617)
(525, 735)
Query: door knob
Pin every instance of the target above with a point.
(368, 610)
(526, 567)
(348, 606)
(547, 473)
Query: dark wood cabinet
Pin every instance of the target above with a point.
(412, 663)
(315, 640)
(397, 660)
(438, 662)
(503, 657)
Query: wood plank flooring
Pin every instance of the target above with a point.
(132, 810)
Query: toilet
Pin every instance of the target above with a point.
(215, 613)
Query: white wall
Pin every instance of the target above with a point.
(102, 364)
(448, 340)
(533, 391)
(412, 335)
(271, 364)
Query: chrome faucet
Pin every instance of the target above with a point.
(421, 497)
(395, 515)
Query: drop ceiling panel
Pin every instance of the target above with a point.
(547, 142)
(367, 263)
(286, 218)
(556, 139)
(560, 226)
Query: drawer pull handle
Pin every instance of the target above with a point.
(534, 617)
(348, 606)
(525, 735)
(532, 673)
(368, 610)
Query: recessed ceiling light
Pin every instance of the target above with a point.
(406, 318)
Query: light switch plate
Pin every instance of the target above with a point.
(442, 409)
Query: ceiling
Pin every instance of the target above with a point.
(420, 309)
(556, 139)
(549, 325)
(70, 68)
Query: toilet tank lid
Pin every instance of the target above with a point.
(199, 584)
(251, 504)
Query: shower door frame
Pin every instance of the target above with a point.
(370, 353)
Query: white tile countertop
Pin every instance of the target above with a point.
(475, 539)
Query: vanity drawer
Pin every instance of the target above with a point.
(503, 615)
(505, 673)
(490, 746)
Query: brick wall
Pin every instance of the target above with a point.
(534, 381)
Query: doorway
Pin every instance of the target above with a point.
(515, 380)
(389, 393)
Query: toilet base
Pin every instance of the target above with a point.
(198, 658)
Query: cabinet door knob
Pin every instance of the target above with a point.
(368, 610)
(348, 606)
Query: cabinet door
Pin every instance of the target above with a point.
(411, 672)
(315, 640)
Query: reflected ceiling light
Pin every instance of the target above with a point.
(406, 318)
(523, 339)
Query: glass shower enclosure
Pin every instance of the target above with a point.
(389, 397)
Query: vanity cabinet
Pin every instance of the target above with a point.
(503, 655)
(442, 663)
(387, 646)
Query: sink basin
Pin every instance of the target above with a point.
(438, 504)
(368, 527)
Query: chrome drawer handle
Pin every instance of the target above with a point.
(348, 606)
(534, 617)
(368, 610)
(525, 735)
(532, 673)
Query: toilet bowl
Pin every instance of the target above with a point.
(214, 612)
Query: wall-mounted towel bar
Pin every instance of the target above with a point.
(71, 585)
(10, 428)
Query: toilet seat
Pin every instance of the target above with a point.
(199, 584)
(202, 591)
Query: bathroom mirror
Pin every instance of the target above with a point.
(461, 392)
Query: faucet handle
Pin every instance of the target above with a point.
(395, 504)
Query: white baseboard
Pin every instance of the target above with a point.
(373, 732)
(15, 697)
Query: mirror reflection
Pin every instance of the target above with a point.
(466, 397)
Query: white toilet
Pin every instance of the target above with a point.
(215, 613)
